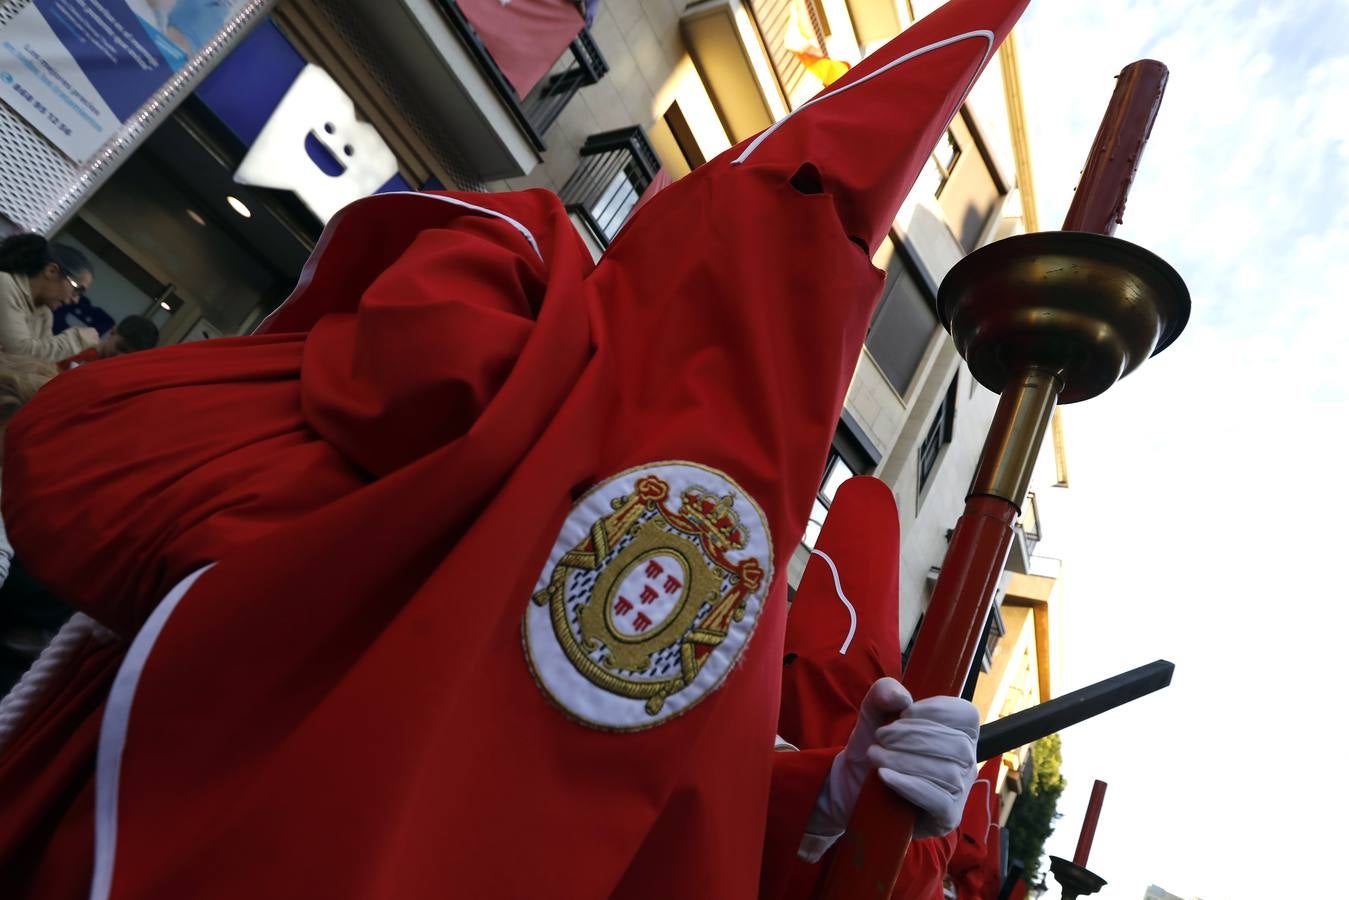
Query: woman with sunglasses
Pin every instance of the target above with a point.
(37, 277)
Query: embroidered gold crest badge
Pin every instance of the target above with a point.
(650, 595)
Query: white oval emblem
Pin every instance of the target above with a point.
(650, 595)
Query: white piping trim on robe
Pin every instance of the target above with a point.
(311, 265)
(838, 589)
(988, 802)
(913, 54)
(112, 736)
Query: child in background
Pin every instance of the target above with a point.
(128, 336)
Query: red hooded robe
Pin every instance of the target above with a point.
(975, 864)
(842, 635)
(384, 569)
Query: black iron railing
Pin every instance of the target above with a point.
(581, 65)
(616, 167)
(994, 629)
(1030, 522)
(1021, 778)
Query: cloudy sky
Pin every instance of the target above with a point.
(1203, 521)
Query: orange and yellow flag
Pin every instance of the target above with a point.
(802, 39)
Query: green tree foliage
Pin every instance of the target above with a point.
(1033, 815)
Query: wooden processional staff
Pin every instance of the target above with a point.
(1045, 318)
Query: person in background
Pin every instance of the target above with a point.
(27, 618)
(54, 672)
(37, 277)
(129, 335)
(82, 312)
(841, 706)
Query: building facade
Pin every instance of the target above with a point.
(204, 201)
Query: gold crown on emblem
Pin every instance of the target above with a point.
(714, 517)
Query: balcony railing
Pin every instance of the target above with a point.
(584, 65)
(615, 168)
(994, 629)
(1030, 521)
(581, 65)
(1020, 777)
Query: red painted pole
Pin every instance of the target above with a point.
(1088, 833)
(871, 851)
(975, 559)
(1098, 205)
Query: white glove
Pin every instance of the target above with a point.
(925, 756)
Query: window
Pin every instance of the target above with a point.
(818, 20)
(944, 159)
(615, 168)
(850, 455)
(938, 435)
(1030, 518)
(777, 21)
(836, 471)
(615, 204)
(913, 638)
(905, 320)
(993, 632)
(968, 185)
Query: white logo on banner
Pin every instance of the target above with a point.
(317, 109)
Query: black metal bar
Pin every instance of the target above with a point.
(976, 666)
(552, 94)
(1015, 872)
(982, 660)
(588, 57)
(1030, 725)
(633, 140)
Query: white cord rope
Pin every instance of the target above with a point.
(22, 700)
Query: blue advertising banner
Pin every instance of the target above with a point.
(76, 69)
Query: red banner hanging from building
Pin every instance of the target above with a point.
(525, 37)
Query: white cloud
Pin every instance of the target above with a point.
(1202, 523)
